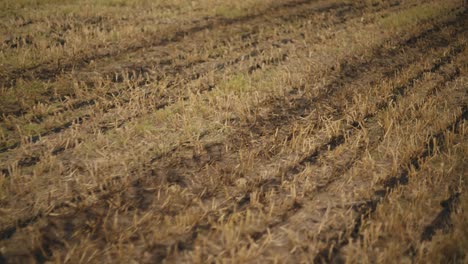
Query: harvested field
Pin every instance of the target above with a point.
(292, 131)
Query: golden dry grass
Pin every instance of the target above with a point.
(260, 131)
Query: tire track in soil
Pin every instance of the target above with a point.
(332, 252)
(334, 86)
(185, 80)
(333, 142)
(50, 70)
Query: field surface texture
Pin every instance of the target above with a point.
(257, 131)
